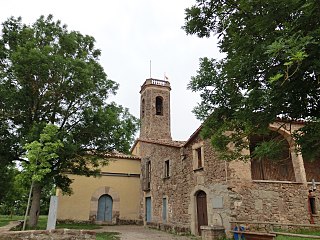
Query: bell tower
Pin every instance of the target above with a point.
(155, 110)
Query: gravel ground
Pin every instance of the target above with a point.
(131, 232)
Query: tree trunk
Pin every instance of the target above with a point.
(35, 206)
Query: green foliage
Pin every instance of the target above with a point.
(15, 196)
(14, 200)
(309, 146)
(42, 154)
(271, 149)
(51, 75)
(7, 174)
(270, 70)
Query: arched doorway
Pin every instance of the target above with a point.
(202, 214)
(104, 213)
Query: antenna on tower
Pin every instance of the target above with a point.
(165, 77)
(150, 68)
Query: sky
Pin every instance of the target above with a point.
(130, 34)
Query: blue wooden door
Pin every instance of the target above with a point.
(148, 209)
(104, 208)
(164, 210)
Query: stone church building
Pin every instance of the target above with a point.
(183, 185)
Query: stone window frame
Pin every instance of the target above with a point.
(167, 169)
(198, 161)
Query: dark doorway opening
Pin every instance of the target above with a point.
(202, 214)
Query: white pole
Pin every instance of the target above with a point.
(27, 210)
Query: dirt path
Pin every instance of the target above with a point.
(131, 232)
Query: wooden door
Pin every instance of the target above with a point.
(104, 208)
(202, 215)
(148, 209)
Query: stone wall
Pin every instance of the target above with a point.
(60, 234)
(269, 201)
(155, 126)
(231, 193)
(184, 182)
(160, 186)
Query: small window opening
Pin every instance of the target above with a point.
(312, 204)
(142, 108)
(148, 174)
(199, 157)
(166, 169)
(159, 106)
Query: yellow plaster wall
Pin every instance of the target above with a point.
(77, 206)
(136, 150)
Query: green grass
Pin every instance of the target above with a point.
(42, 223)
(108, 236)
(291, 238)
(5, 220)
(88, 226)
(301, 231)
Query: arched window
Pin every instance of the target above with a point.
(159, 105)
(142, 108)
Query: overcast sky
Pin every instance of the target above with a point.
(130, 33)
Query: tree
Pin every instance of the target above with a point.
(7, 175)
(51, 75)
(270, 70)
(41, 156)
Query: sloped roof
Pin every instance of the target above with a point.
(165, 142)
(120, 155)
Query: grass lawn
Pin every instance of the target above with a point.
(42, 223)
(302, 231)
(108, 236)
(4, 219)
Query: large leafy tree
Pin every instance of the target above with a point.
(270, 70)
(51, 75)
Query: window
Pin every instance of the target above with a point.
(142, 108)
(312, 205)
(198, 156)
(166, 169)
(148, 174)
(159, 106)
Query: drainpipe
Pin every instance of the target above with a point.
(309, 207)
